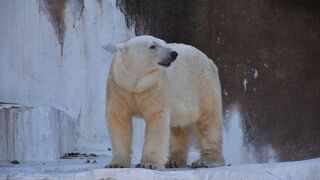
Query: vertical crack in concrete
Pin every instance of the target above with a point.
(77, 8)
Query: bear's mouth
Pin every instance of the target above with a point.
(165, 63)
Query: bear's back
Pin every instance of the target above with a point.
(193, 81)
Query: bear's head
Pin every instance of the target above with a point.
(148, 50)
(139, 62)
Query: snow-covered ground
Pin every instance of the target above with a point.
(79, 168)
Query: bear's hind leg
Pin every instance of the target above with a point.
(178, 148)
(209, 133)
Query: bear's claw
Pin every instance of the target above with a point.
(174, 164)
(149, 166)
(204, 163)
(113, 166)
(198, 164)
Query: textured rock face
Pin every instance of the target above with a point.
(34, 133)
(268, 54)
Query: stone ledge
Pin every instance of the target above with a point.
(34, 133)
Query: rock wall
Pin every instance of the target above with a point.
(267, 52)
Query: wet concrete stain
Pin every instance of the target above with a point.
(268, 47)
(101, 6)
(56, 11)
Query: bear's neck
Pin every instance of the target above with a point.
(135, 79)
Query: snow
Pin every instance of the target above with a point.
(225, 92)
(255, 75)
(78, 169)
(234, 149)
(245, 82)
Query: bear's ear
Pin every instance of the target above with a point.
(122, 47)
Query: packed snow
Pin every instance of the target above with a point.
(81, 168)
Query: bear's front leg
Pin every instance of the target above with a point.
(156, 144)
(120, 130)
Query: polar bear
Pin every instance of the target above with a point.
(176, 89)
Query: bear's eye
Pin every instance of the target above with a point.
(152, 47)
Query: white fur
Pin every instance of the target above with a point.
(187, 93)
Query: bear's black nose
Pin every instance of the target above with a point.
(173, 55)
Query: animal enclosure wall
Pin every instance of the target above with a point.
(55, 55)
(52, 56)
(268, 54)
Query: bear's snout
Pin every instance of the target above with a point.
(173, 55)
(167, 62)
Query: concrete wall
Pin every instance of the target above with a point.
(51, 55)
(31, 133)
